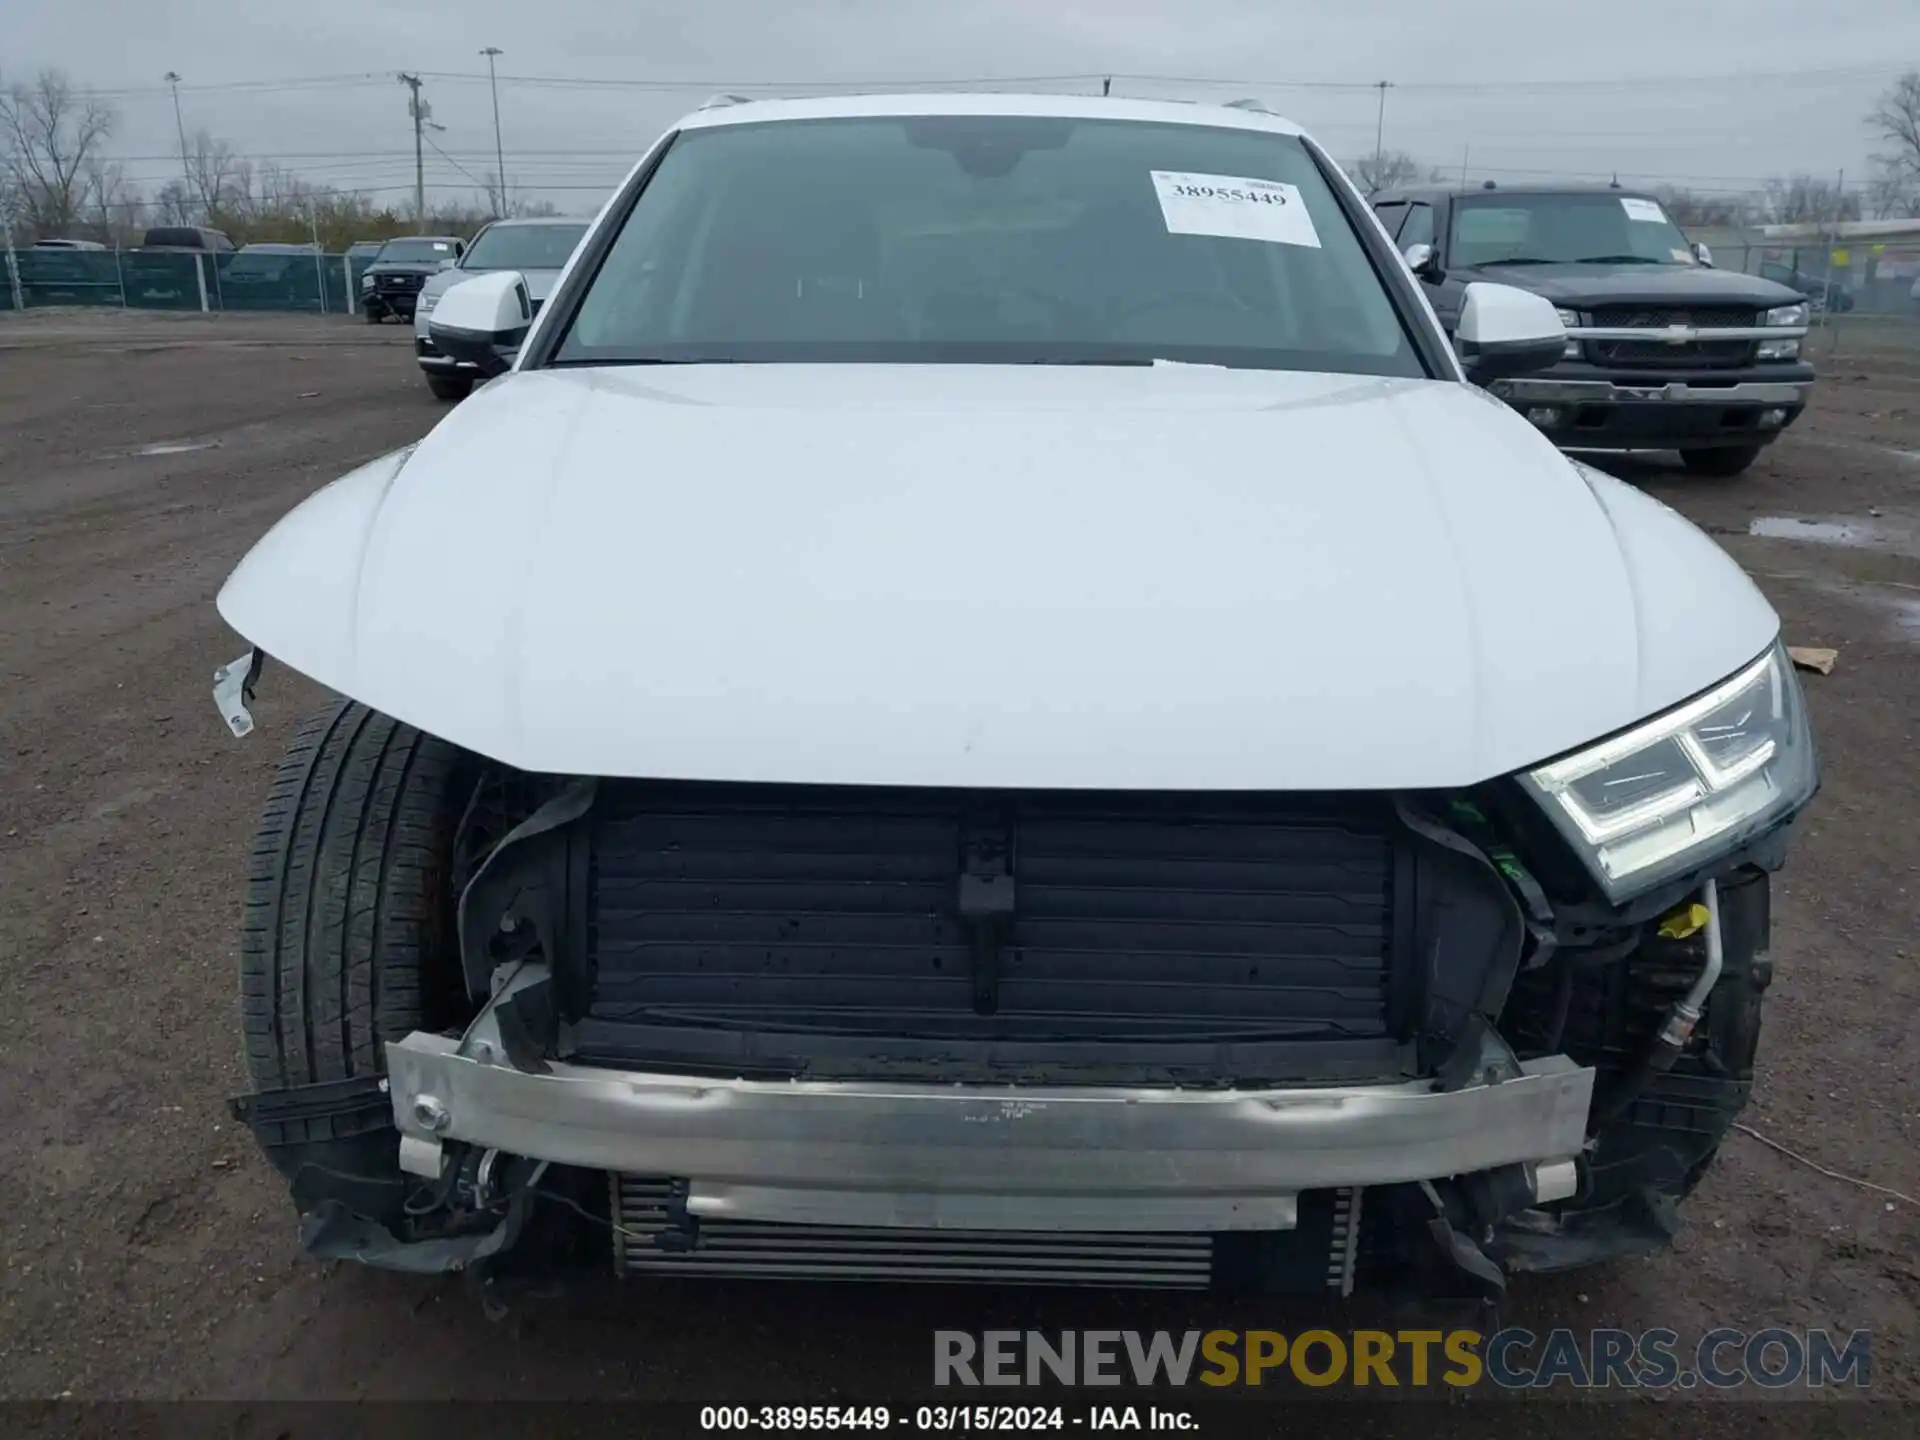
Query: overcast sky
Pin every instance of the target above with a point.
(1716, 94)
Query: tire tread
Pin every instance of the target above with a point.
(346, 910)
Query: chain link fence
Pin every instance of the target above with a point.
(294, 279)
(1861, 277)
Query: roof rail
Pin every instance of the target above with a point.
(720, 102)
(1248, 105)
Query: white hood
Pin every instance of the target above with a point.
(1174, 577)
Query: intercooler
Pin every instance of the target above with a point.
(756, 1250)
(825, 932)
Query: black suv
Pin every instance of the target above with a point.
(1664, 352)
(392, 283)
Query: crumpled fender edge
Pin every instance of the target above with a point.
(296, 593)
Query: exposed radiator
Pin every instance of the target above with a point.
(756, 1249)
(833, 932)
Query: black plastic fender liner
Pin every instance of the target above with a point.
(1468, 932)
(531, 877)
(333, 1231)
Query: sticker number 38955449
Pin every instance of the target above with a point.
(1234, 206)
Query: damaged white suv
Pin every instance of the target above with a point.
(984, 698)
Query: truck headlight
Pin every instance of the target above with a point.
(1778, 350)
(426, 303)
(1571, 320)
(366, 282)
(1786, 315)
(1659, 799)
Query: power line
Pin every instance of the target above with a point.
(456, 164)
(1089, 78)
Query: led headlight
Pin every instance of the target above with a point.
(1665, 796)
(1786, 315)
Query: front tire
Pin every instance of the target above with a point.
(1721, 462)
(449, 387)
(348, 938)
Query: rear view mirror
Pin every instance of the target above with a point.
(1505, 331)
(483, 320)
(1423, 260)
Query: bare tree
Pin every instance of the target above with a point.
(174, 204)
(1688, 207)
(499, 197)
(111, 201)
(1808, 199)
(48, 135)
(1388, 169)
(1895, 120)
(212, 170)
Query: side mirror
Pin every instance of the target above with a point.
(483, 320)
(1505, 331)
(1423, 260)
(1703, 254)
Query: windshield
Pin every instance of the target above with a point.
(416, 252)
(1565, 229)
(989, 239)
(524, 247)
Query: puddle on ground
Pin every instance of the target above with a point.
(176, 447)
(1899, 607)
(1902, 610)
(1851, 532)
(1820, 532)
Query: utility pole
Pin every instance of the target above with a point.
(186, 175)
(499, 151)
(1380, 129)
(412, 82)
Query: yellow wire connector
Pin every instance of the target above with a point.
(1685, 921)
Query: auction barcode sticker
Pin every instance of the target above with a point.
(1234, 206)
(1638, 209)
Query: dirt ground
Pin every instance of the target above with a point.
(150, 1253)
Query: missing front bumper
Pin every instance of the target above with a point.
(1112, 1159)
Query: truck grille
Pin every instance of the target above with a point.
(852, 932)
(756, 1249)
(1700, 354)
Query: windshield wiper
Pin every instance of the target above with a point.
(1620, 260)
(588, 362)
(1521, 260)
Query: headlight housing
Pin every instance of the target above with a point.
(1786, 315)
(366, 282)
(426, 302)
(1660, 799)
(1570, 319)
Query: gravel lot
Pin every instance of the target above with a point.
(150, 1254)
